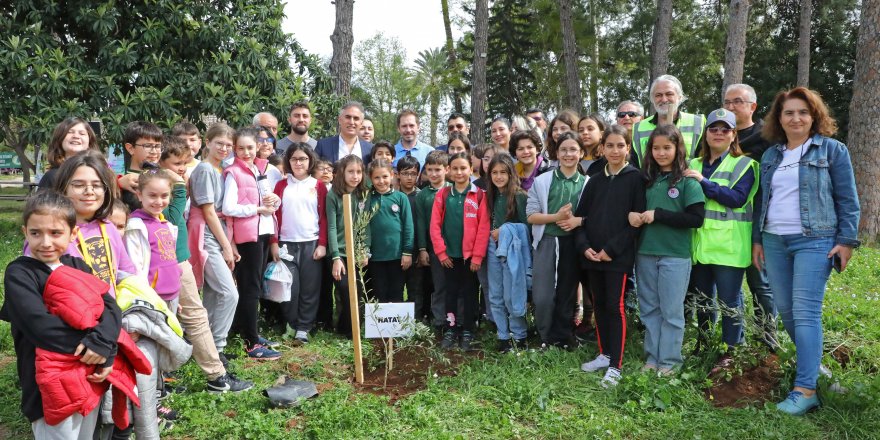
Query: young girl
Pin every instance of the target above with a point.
(507, 277)
(525, 147)
(608, 242)
(722, 246)
(90, 185)
(590, 129)
(212, 257)
(460, 235)
(49, 226)
(349, 179)
(248, 205)
(392, 232)
(302, 228)
(675, 205)
(458, 143)
(71, 136)
(488, 153)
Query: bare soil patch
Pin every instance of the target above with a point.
(755, 385)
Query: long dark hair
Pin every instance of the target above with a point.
(339, 176)
(679, 163)
(95, 160)
(510, 190)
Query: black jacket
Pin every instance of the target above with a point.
(752, 142)
(605, 206)
(33, 326)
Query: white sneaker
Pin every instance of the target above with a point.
(599, 363)
(612, 377)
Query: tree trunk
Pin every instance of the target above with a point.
(735, 53)
(863, 129)
(12, 134)
(435, 116)
(660, 41)
(803, 64)
(570, 56)
(594, 62)
(453, 57)
(343, 39)
(479, 100)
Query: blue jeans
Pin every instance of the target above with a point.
(662, 286)
(727, 281)
(798, 267)
(501, 297)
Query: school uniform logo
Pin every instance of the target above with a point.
(394, 207)
(472, 203)
(673, 193)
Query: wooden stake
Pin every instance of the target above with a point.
(353, 288)
(390, 354)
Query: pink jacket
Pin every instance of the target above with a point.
(476, 224)
(245, 229)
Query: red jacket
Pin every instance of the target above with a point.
(475, 241)
(76, 298)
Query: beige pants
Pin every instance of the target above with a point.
(194, 319)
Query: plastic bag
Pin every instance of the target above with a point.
(277, 282)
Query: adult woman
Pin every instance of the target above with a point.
(70, 136)
(266, 145)
(721, 246)
(801, 236)
(500, 131)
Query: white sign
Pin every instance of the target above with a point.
(388, 320)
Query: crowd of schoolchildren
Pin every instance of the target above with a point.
(107, 292)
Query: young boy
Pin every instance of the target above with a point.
(436, 168)
(143, 143)
(324, 320)
(49, 228)
(407, 177)
(382, 150)
(189, 133)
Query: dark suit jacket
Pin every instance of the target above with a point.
(328, 149)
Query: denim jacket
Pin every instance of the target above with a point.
(828, 199)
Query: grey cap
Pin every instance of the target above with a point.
(722, 115)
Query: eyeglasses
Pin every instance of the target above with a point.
(409, 174)
(149, 146)
(267, 140)
(621, 115)
(458, 127)
(82, 187)
(719, 130)
(326, 169)
(735, 102)
(299, 159)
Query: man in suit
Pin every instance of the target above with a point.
(346, 142)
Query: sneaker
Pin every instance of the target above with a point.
(301, 338)
(796, 404)
(649, 368)
(228, 382)
(271, 344)
(165, 425)
(166, 413)
(169, 377)
(466, 339)
(612, 377)
(162, 394)
(521, 344)
(666, 372)
(597, 364)
(504, 346)
(263, 353)
(448, 339)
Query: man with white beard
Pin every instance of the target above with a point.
(667, 96)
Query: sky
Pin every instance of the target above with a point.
(417, 23)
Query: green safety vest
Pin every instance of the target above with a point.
(726, 235)
(690, 125)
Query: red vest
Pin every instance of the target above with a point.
(245, 229)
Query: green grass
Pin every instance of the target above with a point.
(530, 395)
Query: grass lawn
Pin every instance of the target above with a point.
(525, 395)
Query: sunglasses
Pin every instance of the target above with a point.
(622, 115)
(719, 130)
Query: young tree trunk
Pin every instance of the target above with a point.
(863, 128)
(660, 41)
(803, 64)
(453, 57)
(343, 39)
(735, 52)
(479, 100)
(570, 56)
(594, 60)
(435, 116)
(12, 134)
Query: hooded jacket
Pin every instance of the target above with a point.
(475, 242)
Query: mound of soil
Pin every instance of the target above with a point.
(413, 366)
(754, 385)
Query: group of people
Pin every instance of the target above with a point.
(558, 215)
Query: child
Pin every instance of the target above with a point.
(608, 242)
(143, 143)
(590, 129)
(460, 234)
(436, 168)
(458, 143)
(663, 264)
(550, 207)
(248, 206)
(324, 173)
(50, 229)
(391, 230)
(525, 147)
(408, 177)
(507, 277)
(349, 179)
(488, 152)
(302, 228)
(189, 133)
(382, 150)
(71, 136)
(212, 257)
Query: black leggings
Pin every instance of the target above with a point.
(343, 306)
(385, 281)
(461, 284)
(607, 288)
(249, 277)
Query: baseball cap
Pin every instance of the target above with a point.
(722, 115)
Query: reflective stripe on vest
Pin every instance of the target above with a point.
(689, 124)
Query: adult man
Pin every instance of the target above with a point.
(300, 119)
(742, 101)
(456, 123)
(538, 115)
(409, 143)
(346, 142)
(367, 130)
(667, 96)
(629, 113)
(268, 120)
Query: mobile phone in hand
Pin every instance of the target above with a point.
(836, 263)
